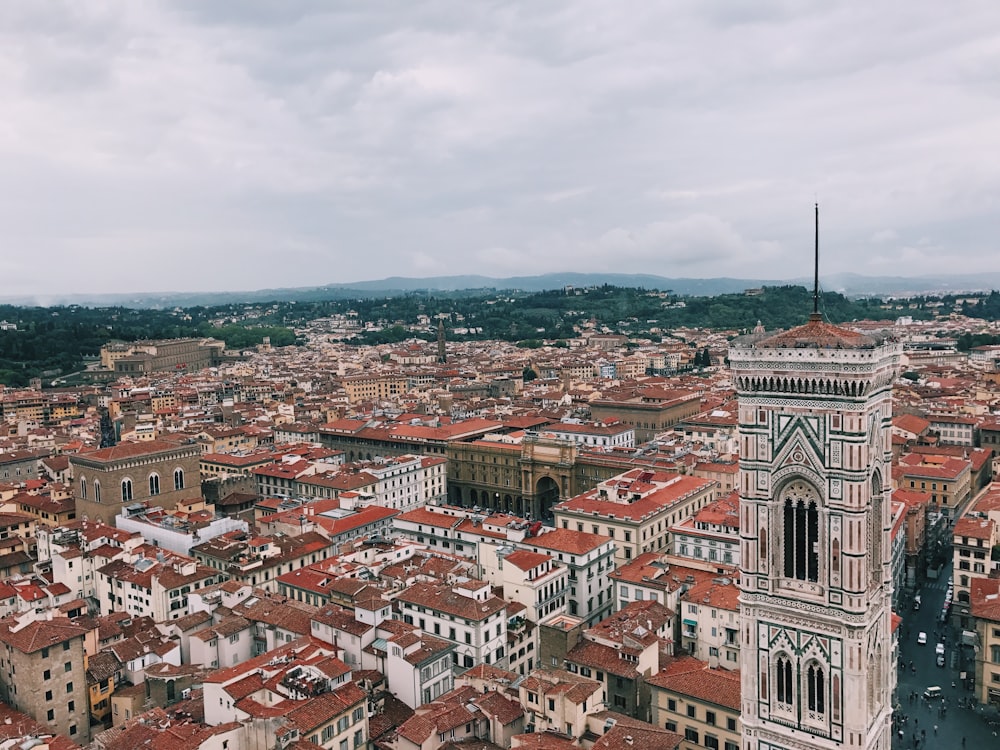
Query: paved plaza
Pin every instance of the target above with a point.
(945, 723)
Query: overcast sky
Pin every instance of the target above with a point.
(202, 144)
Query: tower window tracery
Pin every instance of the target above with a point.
(784, 683)
(815, 689)
(801, 533)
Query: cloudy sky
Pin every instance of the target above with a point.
(198, 145)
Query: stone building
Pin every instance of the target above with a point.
(165, 355)
(43, 672)
(157, 472)
(815, 410)
(648, 410)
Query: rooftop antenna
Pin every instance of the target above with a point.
(815, 313)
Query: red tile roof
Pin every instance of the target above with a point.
(690, 676)
(568, 540)
(441, 598)
(38, 634)
(525, 560)
(984, 599)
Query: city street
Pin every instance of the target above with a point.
(921, 716)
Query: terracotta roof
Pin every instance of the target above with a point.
(15, 725)
(500, 707)
(600, 656)
(647, 737)
(394, 712)
(525, 560)
(543, 741)
(325, 707)
(569, 540)
(984, 599)
(974, 528)
(816, 334)
(131, 450)
(38, 634)
(911, 423)
(690, 676)
(712, 594)
(441, 598)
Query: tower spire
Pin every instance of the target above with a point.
(815, 313)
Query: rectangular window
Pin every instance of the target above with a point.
(691, 711)
(691, 734)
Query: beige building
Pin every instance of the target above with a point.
(648, 410)
(948, 479)
(165, 355)
(559, 701)
(636, 509)
(709, 612)
(373, 387)
(531, 579)
(156, 471)
(701, 703)
(973, 540)
(986, 616)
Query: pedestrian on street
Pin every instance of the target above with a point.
(935, 730)
(963, 741)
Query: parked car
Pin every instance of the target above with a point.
(940, 660)
(922, 638)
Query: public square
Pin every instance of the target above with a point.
(925, 725)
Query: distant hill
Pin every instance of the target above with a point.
(849, 284)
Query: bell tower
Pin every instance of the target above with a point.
(815, 410)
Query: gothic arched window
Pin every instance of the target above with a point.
(815, 689)
(83, 488)
(783, 680)
(126, 490)
(178, 479)
(154, 484)
(801, 533)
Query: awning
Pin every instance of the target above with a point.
(691, 623)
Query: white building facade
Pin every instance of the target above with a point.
(815, 409)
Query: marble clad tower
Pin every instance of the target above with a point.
(815, 405)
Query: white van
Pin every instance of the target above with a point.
(932, 693)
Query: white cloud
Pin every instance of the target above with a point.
(254, 144)
(882, 236)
